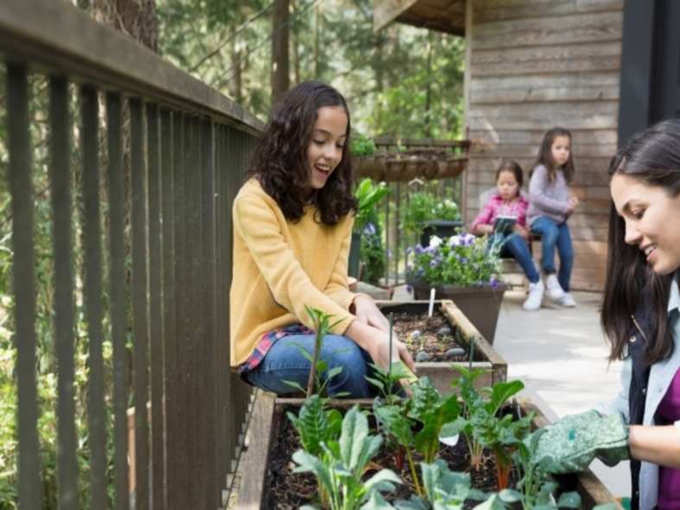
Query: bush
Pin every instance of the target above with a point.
(361, 145)
(423, 207)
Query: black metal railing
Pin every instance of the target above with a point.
(140, 179)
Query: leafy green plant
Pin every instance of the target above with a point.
(372, 253)
(361, 145)
(445, 490)
(315, 424)
(462, 260)
(341, 466)
(481, 424)
(316, 383)
(426, 410)
(368, 196)
(424, 206)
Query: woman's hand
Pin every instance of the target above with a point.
(368, 313)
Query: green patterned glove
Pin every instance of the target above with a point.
(570, 444)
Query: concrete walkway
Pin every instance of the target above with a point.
(561, 355)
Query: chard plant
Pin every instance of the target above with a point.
(340, 467)
(484, 428)
(426, 408)
(447, 490)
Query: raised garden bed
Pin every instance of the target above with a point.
(476, 351)
(481, 305)
(272, 485)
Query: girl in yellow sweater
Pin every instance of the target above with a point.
(292, 228)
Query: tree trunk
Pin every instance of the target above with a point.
(428, 89)
(236, 84)
(279, 76)
(317, 19)
(296, 49)
(136, 18)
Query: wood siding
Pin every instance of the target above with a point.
(533, 65)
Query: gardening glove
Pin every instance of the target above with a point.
(570, 444)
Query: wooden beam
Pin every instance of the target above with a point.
(386, 11)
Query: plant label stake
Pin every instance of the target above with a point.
(431, 306)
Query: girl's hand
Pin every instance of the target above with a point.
(484, 229)
(368, 313)
(523, 232)
(381, 353)
(377, 344)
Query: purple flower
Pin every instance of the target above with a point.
(369, 229)
(419, 249)
(494, 282)
(409, 288)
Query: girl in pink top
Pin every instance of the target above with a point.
(508, 202)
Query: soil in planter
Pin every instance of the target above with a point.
(430, 338)
(285, 490)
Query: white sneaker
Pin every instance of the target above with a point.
(567, 301)
(553, 288)
(533, 302)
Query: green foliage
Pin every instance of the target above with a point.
(316, 425)
(479, 421)
(433, 411)
(319, 376)
(372, 254)
(444, 490)
(368, 197)
(388, 382)
(424, 206)
(463, 260)
(427, 411)
(340, 469)
(361, 145)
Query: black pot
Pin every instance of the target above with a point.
(439, 228)
(354, 255)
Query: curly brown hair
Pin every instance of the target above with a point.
(280, 159)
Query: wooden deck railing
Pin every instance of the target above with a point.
(141, 179)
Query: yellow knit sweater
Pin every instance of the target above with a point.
(281, 266)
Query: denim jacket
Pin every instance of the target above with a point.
(642, 389)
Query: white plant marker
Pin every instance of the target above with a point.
(431, 306)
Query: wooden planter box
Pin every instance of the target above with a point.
(481, 305)
(263, 434)
(440, 372)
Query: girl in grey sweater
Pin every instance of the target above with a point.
(550, 205)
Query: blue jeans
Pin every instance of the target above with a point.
(513, 245)
(285, 362)
(555, 234)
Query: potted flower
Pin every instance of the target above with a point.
(366, 234)
(463, 269)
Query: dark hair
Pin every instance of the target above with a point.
(653, 158)
(545, 155)
(280, 159)
(508, 165)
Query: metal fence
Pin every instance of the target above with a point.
(142, 163)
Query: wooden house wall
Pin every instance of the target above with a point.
(533, 65)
